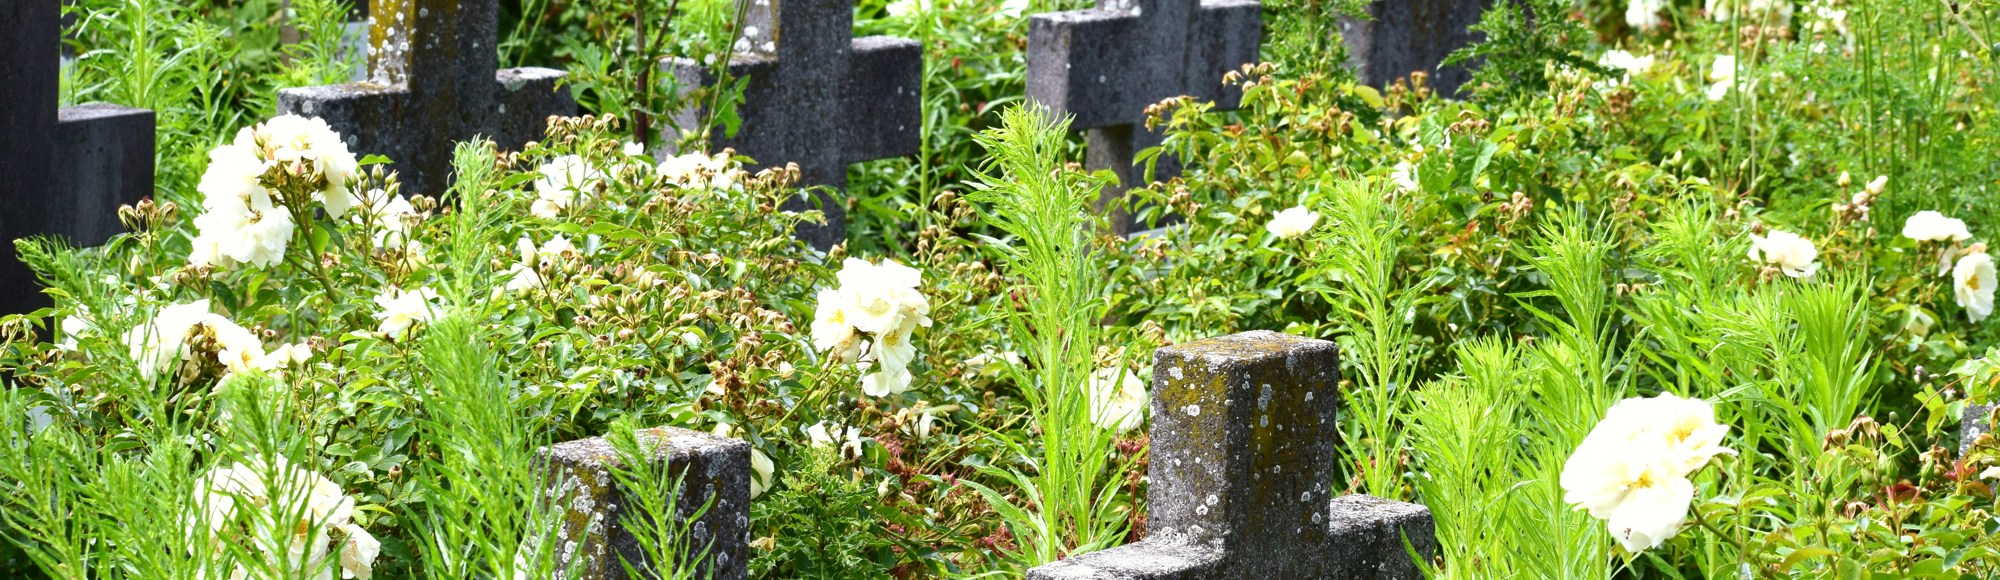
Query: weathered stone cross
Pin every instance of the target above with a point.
(63, 171)
(592, 539)
(1105, 65)
(1404, 36)
(816, 96)
(432, 81)
(1243, 452)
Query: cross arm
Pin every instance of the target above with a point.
(1145, 560)
(884, 99)
(1077, 63)
(536, 94)
(104, 160)
(1226, 36)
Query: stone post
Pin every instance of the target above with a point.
(1244, 444)
(592, 539)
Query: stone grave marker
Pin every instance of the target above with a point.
(1976, 422)
(1243, 452)
(1404, 36)
(433, 80)
(592, 539)
(1106, 64)
(816, 96)
(63, 170)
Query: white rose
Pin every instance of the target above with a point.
(830, 330)
(400, 310)
(764, 473)
(886, 382)
(1632, 469)
(1118, 399)
(1972, 285)
(1644, 14)
(1292, 223)
(1931, 226)
(1792, 254)
(1723, 72)
(562, 182)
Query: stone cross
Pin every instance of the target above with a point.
(1105, 65)
(1244, 444)
(1976, 422)
(63, 171)
(433, 81)
(592, 539)
(816, 96)
(1404, 36)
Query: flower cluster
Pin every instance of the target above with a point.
(181, 331)
(1118, 399)
(324, 512)
(526, 274)
(1972, 275)
(260, 186)
(1632, 470)
(695, 170)
(1644, 15)
(878, 302)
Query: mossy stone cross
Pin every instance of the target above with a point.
(1106, 64)
(1244, 443)
(816, 96)
(433, 80)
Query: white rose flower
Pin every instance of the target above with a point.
(1878, 186)
(1972, 285)
(241, 222)
(1405, 176)
(824, 435)
(1931, 226)
(830, 330)
(401, 310)
(291, 138)
(1792, 254)
(1723, 73)
(764, 473)
(1990, 473)
(1626, 61)
(886, 382)
(634, 149)
(1632, 469)
(563, 181)
(326, 514)
(1118, 399)
(73, 327)
(1644, 14)
(1292, 223)
(159, 344)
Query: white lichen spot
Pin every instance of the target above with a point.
(1211, 499)
(1175, 371)
(1192, 410)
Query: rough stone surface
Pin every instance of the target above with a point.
(1105, 65)
(66, 170)
(592, 540)
(1244, 443)
(1404, 36)
(433, 81)
(1977, 421)
(816, 96)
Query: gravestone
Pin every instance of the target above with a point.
(816, 96)
(1105, 65)
(1244, 444)
(433, 80)
(592, 539)
(1977, 421)
(63, 171)
(1404, 36)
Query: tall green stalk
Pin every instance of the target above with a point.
(1045, 208)
(1376, 310)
